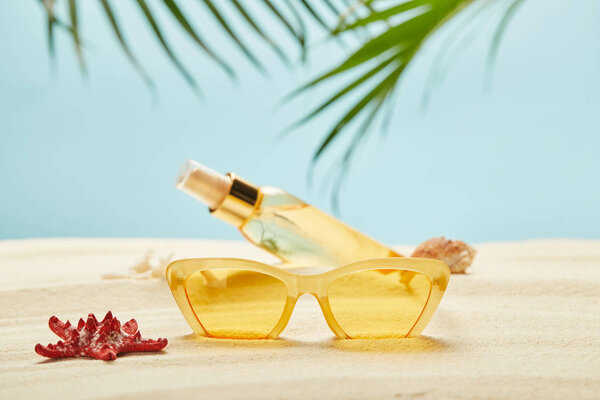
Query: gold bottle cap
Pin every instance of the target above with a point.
(239, 204)
(228, 197)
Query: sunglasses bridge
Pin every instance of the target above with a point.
(308, 284)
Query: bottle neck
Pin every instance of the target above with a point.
(239, 204)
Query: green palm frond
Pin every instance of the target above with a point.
(124, 45)
(509, 13)
(380, 63)
(75, 33)
(390, 32)
(51, 21)
(390, 52)
(227, 27)
(317, 17)
(301, 26)
(167, 48)
(279, 11)
(298, 33)
(250, 20)
(187, 27)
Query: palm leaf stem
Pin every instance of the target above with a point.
(299, 36)
(385, 85)
(124, 45)
(301, 27)
(51, 21)
(187, 27)
(158, 33)
(314, 14)
(225, 25)
(415, 31)
(509, 13)
(76, 37)
(244, 13)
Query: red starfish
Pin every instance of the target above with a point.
(100, 340)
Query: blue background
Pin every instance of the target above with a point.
(98, 157)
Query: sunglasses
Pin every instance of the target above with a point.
(244, 299)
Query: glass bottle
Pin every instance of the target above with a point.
(278, 222)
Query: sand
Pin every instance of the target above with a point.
(524, 323)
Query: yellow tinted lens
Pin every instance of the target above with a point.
(376, 303)
(236, 303)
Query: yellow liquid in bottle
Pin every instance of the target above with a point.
(300, 234)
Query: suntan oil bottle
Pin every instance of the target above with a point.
(278, 222)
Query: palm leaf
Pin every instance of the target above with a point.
(314, 14)
(382, 89)
(356, 83)
(124, 46)
(51, 21)
(329, 4)
(301, 26)
(509, 13)
(157, 32)
(381, 15)
(370, 103)
(225, 25)
(400, 36)
(450, 48)
(298, 33)
(246, 15)
(344, 164)
(300, 36)
(183, 21)
(378, 63)
(403, 39)
(76, 36)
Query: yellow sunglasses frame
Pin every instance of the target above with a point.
(316, 284)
